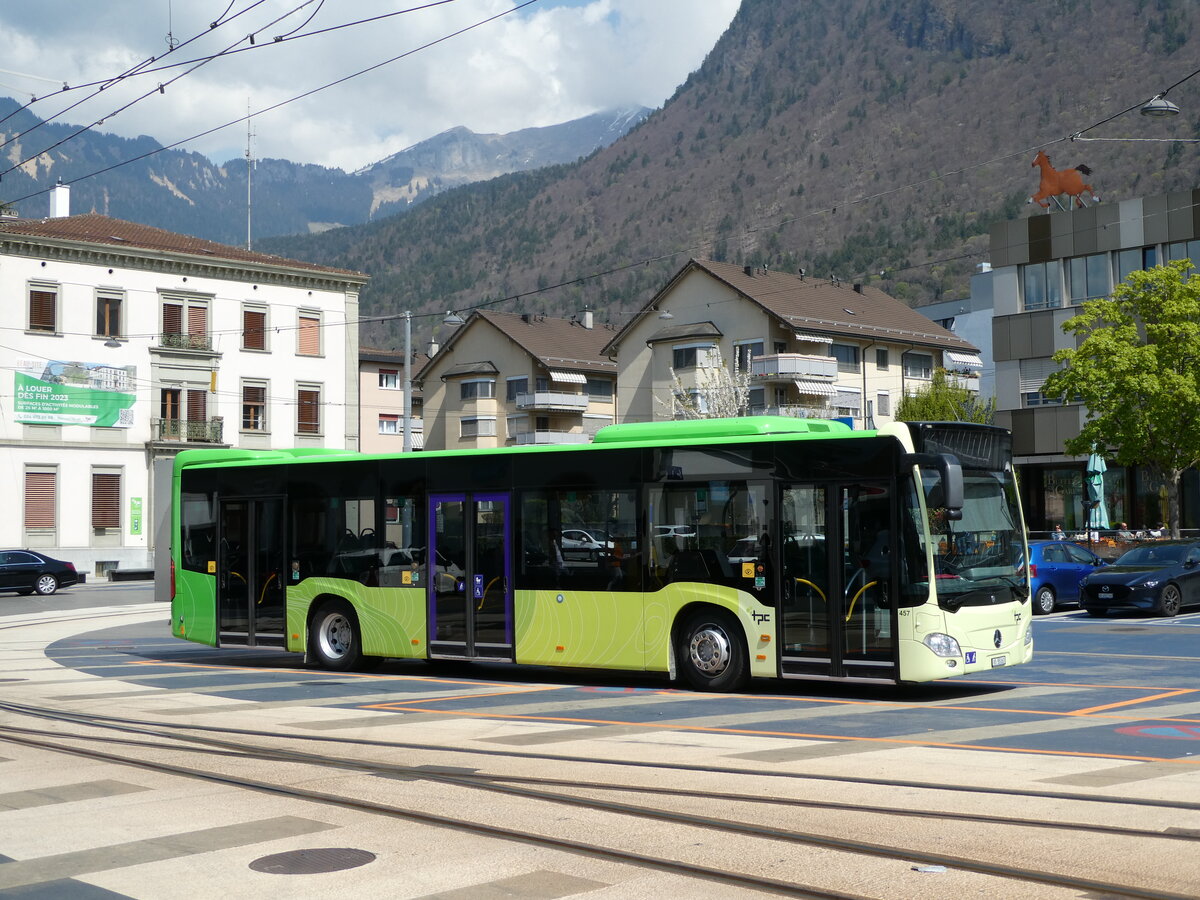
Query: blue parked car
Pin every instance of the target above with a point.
(1055, 570)
(1160, 577)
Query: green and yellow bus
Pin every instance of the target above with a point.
(712, 550)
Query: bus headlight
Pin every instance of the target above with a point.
(942, 644)
(1029, 636)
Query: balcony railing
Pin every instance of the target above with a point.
(551, 437)
(553, 400)
(799, 412)
(186, 341)
(969, 380)
(203, 431)
(786, 366)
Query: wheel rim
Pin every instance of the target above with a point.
(46, 584)
(335, 636)
(709, 650)
(1045, 600)
(1170, 600)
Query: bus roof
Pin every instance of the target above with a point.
(610, 437)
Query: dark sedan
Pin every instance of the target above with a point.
(26, 571)
(1056, 569)
(1160, 577)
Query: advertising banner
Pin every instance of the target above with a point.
(54, 392)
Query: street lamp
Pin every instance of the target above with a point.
(1159, 106)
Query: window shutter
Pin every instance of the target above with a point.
(1034, 373)
(197, 320)
(254, 324)
(197, 406)
(310, 336)
(308, 412)
(42, 310)
(39, 499)
(172, 318)
(106, 500)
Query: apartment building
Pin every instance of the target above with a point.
(382, 375)
(125, 344)
(813, 347)
(511, 380)
(1043, 267)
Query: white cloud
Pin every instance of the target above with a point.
(550, 62)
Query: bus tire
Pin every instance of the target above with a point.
(712, 652)
(334, 638)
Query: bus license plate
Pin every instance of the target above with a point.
(998, 661)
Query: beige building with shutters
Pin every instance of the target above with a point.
(125, 344)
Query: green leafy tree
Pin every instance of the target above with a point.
(1136, 369)
(945, 400)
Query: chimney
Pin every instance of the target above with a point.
(526, 318)
(749, 270)
(60, 201)
(434, 347)
(857, 288)
(588, 319)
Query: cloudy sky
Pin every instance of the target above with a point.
(548, 62)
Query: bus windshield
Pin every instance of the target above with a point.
(978, 558)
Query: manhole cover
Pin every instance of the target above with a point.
(312, 862)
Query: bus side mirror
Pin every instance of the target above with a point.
(950, 470)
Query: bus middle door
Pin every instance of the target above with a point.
(469, 578)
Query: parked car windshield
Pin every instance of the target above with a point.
(1153, 556)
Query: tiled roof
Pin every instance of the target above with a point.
(91, 228)
(818, 306)
(556, 343)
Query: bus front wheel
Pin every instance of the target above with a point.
(334, 637)
(712, 652)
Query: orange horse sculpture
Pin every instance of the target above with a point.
(1054, 182)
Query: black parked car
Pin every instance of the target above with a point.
(1160, 577)
(26, 571)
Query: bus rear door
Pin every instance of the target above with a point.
(469, 576)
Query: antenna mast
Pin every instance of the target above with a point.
(249, 166)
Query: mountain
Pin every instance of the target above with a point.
(460, 156)
(845, 137)
(186, 193)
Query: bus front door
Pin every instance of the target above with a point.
(251, 571)
(836, 617)
(469, 577)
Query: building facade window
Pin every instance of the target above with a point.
(883, 403)
(308, 333)
(756, 399)
(1041, 285)
(41, 496)
(1033, 374)
(477, 426)
(917, 365)
(692, 356)
(1088, 277)
(881, 358)
(847, 356)
(477, 389)
(254, 327)
(185, 323)
(254, 406)
(389, 423)
(599, 389)
(516, 386)
(389, 379)
(848, 402)
(106, 501)
(744, 352)
(43, 308)
(1185, 250)
(308, 409)
(108, 314)
(1134, 260)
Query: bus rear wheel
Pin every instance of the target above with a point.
(334, 637)
(712, 652)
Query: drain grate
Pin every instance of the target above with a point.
(313, 861)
